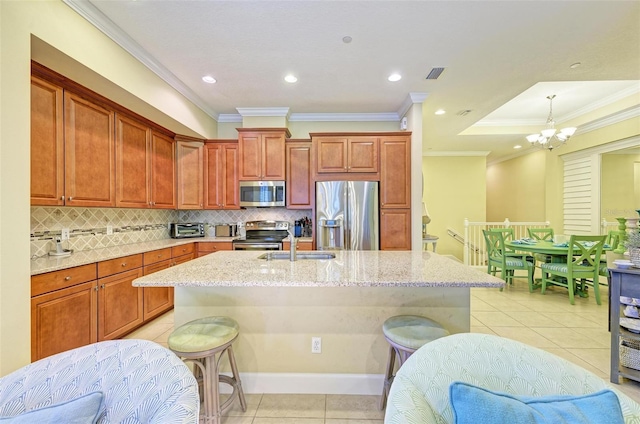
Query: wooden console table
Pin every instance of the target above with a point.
(622, 282)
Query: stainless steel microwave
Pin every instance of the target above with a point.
(262, 193)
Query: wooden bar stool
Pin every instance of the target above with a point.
(406, 334)
(199, 342)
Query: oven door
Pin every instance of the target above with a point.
(257, 246)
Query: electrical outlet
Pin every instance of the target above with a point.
(109, 230)
(316, 344)
(64, 234)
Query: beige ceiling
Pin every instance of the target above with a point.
(502, 59)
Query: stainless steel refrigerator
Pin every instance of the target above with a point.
(347, 215)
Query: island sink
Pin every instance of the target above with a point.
(300, 255)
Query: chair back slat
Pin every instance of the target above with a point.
(541, 233)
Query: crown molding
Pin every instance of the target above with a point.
(614, 118)
(344, 117)
(520, 152)
(263, 111)
(600, 103)
(104, 24)
(410, 100)
(461, 153)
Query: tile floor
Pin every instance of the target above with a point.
(577, 333)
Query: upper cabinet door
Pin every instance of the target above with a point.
(190, 174)
(250, 156)
(47, 143)
(261, 152)
(89, 153)
(230, 187)
(395, 172)
(299, 183)
(163, 174)
(331, 154)
(273, 157)
(213, 176)
(363, 154)
(133, 163)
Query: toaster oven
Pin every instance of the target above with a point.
(186, 230)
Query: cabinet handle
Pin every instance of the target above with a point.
(61, 197)
(70, 198)
(159, 256)
(102, 286)
(96, 288)
(124, 264)
(67, 278)
(150, 204)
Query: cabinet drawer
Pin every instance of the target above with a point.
(158, 266)
(56, 280)
(181, 250)
(182, 259)
(114, 266)
(156, 256)
(205, 248)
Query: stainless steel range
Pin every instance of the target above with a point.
(263, 235)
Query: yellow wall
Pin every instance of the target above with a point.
(454, 189)
(60, 27)
(617, 196)
(515, 189)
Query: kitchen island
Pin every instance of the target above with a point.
(280, 305)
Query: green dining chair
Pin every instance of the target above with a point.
(545, 234)
(613, 240)
(583, 263)
(506, 260)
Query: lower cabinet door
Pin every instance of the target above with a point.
(119, 305)
(395, 229)
(63, 320)
(156, 299)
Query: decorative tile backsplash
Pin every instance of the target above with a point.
(88, 226)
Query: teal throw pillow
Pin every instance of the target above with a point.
(475, 405)
(82, 410)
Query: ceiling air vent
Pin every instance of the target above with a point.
(464, 112)
(435, 73)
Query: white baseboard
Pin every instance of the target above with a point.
(331, 384)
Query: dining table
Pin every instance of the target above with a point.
(556, 251)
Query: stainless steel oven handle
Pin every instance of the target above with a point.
(245, 246)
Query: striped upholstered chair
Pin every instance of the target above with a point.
(132, 381)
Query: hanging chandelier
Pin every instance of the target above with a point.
(550, 138)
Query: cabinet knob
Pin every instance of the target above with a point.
(102, 286)
(124, 264)
(61, 197)
(96, 288)
(150, 204)
(67, 278)
(159, 256)
(70, 198)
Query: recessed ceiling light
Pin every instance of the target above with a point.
(440, 112)
(517, 146)
(575, 65)
(394, 77)
(290, 78)
(346, 39)
(208, 79)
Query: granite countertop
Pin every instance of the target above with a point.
(348, 269)
(53, 263)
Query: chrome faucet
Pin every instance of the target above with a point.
(293, 244)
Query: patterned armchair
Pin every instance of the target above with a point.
(420, 391)
(140, 382)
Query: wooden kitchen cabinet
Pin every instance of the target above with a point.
(208, 247)
(302, 245)
(89, 146)
(395, 172)
(163, 171)
(299, 180)
(190, 174)
(182, 250)
(120, 304)
(337, 154)
(133, 163)
(64, 310)
(156, 300)
(221, 190)
(47, 143)
(262, 153)
(395, 229)
(64, 319)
